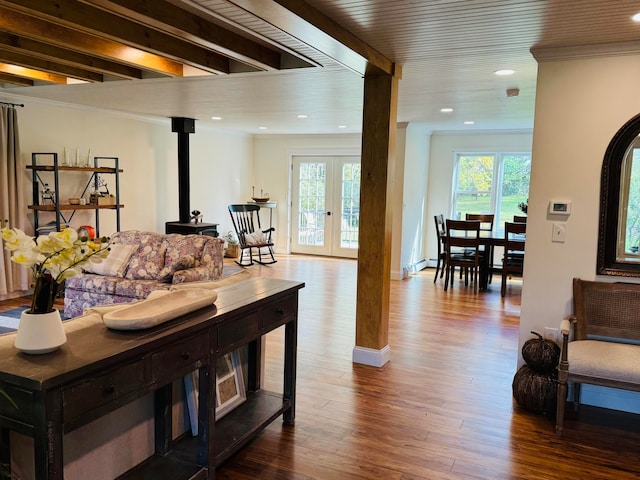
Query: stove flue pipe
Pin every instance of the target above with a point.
(183, 127)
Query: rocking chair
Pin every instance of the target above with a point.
(246, 222)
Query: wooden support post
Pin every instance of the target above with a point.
(374, 244)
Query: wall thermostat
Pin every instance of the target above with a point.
(559, 207)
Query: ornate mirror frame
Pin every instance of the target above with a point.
(610, 182)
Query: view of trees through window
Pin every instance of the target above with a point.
(491, 183)
(632, 222)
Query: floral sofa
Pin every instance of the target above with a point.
(141, 262)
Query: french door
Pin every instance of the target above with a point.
(325, 210)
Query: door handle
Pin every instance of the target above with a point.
(328, 214)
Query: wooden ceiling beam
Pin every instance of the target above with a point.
(61, 36)
(320, 32)
(29, 73)
(23, 82)
(48, 66)
(35, 48)
(92, 20)
(183, 24)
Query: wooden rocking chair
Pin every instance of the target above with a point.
(246, 222)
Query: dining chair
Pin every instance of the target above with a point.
(441, 259)
(486, 224)
(513, 259)
(519, 219)
(462, 245)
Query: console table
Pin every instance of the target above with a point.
(99, 370)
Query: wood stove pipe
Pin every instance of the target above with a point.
(183, 127)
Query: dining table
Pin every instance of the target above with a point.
(491, 238)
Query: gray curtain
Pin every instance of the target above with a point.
(13, 277)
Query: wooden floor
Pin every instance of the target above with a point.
(442, 407)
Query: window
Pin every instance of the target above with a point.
(629, 235)
(490, 183)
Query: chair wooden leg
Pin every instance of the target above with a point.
(560, 404)
(263, 262)
(446, 278)
(576, 397)
(435, 277)
(242, 262)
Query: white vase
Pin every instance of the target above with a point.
(40, 333)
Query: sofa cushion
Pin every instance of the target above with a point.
(166, 274)
(178, 246)
(148, 259)
(115, 264)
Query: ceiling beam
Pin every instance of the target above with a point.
(320, 32)
(48, 66)
(29, 73)
(77, 15)
(35, 48)
(183, 24)
(41, 30)
(24, 82)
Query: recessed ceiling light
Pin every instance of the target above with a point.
(302, 115)
(505, 72)
(636, 17)
(262, 128)
(446, 110)
(342, 126)
(216, 118)
(469, 122)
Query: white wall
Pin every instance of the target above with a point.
(444, 146)
(220, 163)
(414, 199)
(580, 105)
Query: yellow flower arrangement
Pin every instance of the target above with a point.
(52, 259)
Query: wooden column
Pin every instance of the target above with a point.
(374, 244)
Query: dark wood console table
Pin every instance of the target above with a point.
(99, 370)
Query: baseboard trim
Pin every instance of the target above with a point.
(370, 356)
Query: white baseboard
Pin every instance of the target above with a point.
(370, 356)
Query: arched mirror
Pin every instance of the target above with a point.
(619, 229)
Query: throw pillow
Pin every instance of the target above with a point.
(166, 274)
(115, 265)
(255, 238)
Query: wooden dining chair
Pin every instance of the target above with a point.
(463, 250)
(441, 259)
(513, 259)
(519, 219)
(486, 224)
(251, 235)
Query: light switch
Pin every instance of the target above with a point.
(559, 233)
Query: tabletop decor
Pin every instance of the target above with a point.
(52, 259)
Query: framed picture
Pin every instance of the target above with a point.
(229, 384)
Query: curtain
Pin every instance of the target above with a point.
(13, 277)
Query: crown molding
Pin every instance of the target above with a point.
(576, 52)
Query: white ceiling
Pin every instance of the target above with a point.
(448, 50)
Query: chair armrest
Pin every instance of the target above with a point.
(565, 329)
(565, 324)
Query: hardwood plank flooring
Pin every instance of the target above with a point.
(441, 409)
